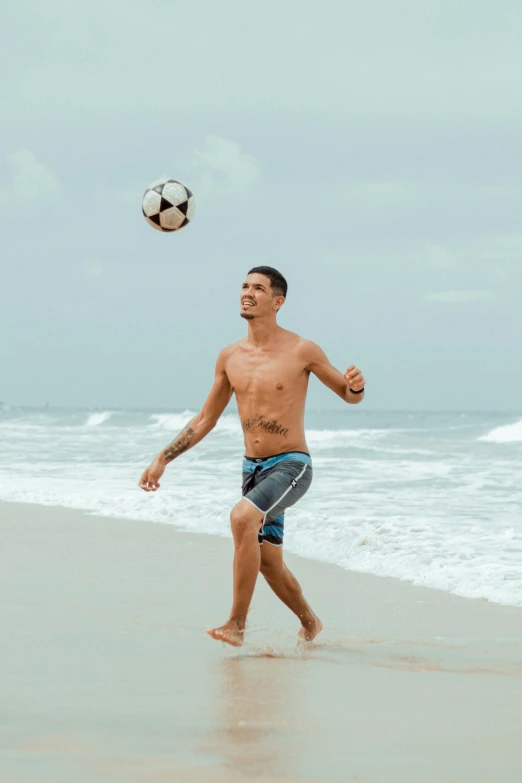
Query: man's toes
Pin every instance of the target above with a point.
(311, 630)
(227, 635)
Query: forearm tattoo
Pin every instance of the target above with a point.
(179, 444)
(258, 421)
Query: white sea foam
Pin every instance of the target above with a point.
(95, 419)
(229, 423)
(336, 437)
(174, 422)
(171, 421)
(509, 433)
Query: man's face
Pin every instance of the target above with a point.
(256, 297)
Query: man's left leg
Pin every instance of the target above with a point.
(288, 590)
(245, 520)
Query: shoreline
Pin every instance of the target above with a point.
(369, 582)
(404, 580)
(108, 674)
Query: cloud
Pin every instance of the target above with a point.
(492, 257)
(458, 296)
(437, 257)
(221, 166)
(386, 194)
(31, 180)
(218, 167)
(94, 270)
(505, 248)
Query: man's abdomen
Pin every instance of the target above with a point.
(267, 434)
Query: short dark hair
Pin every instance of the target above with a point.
(278, 283)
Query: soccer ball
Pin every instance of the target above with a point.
(168, 205)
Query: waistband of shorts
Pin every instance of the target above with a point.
(251, 463)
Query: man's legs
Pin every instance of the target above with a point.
(249, 559)
(288, 590)
(245, 521)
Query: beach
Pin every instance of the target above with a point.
(291, 277)
(108, 674)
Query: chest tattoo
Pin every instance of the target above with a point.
(258, 421)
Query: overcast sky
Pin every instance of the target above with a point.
(370, 151)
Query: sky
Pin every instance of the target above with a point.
(369, 151)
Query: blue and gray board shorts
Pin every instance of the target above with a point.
(272, 484)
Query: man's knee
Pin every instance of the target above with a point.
(272, 569)
(269, 571)
(245, 519)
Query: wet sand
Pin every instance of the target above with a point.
(108, 675)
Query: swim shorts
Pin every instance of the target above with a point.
(272, 484)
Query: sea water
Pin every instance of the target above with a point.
(435, 498)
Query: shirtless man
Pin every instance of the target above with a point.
(268, 372)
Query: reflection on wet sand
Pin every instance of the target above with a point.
(256, 715)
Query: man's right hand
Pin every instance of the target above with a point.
(150, 479)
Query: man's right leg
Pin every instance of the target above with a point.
(245, 521)
(288, 590)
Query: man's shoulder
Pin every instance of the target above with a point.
(305, 350)
(292, 338)
(231, 349)
(301, 344)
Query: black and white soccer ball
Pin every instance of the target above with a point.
(168, 205)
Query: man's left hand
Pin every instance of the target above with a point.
(354, 378)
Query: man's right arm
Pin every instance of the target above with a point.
(197, 428)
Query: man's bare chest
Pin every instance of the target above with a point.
(265, 373)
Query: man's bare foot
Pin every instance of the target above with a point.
(229, 633)
(311, 627)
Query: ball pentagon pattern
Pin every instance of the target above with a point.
(168, 205)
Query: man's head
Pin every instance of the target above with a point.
(263, 292)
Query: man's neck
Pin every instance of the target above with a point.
(262, 331)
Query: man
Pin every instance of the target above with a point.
(268, 371)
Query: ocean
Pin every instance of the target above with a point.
(434, 498)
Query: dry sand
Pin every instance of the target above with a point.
(107, 674)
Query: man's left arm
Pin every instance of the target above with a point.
(349, 386)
